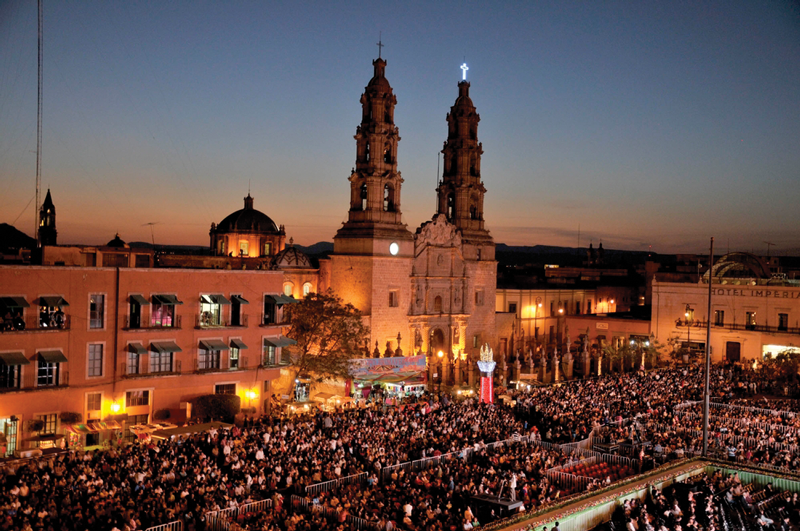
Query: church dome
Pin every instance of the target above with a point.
(117, 242)
(379, 81)
(291, 258)
(247, 219)
(464, 102)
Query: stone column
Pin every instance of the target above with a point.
(556, 366)
(543, 369)
(568, 365)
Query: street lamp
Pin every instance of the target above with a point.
(688, 314)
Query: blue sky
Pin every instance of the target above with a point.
(642, 123)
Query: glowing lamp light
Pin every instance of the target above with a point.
(251, 395)
(647, 343)
(687, 315)
(115, 407)
(611, 301)
(561, 310)
(540, 305)
(440, 354)
(633, 342)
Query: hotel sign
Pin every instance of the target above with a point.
(764, 293)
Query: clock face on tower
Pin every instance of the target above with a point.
(394, 248)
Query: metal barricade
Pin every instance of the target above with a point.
(177, 525)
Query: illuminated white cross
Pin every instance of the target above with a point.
(464, 67)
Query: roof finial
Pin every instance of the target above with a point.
(380, 43)
(464, 69)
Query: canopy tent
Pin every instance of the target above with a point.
(188, 430)
(93, 427)
(322, 397)
(410, 377)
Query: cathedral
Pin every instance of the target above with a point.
(431, 291)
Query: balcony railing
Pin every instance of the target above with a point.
(30, 381)
(224, 365)
(271, 320)
(682, 323)
(173, 324)
(35, 323)
(205, 320)
(143, 370)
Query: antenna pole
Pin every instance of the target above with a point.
(37, 206)
(436, 206)
(707, 382)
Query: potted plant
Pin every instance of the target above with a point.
(70, 417)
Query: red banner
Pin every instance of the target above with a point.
(487, 390)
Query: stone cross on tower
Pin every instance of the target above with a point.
(464, 69)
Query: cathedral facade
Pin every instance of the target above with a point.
(431, 292)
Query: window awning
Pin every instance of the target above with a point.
(288, 299)
(279, 341)
(239, 299)
(137, 348)
(53, 356)
(14, 358)
(14, 302)
(238, 343)
(170, 300)
(52, 300)
(214, 299)
(273, 298)
(213, 344)
(165, 346)
(139, 300)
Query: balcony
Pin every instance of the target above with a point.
(143, 370)
(35, 323)
(30, 382)
(224, 365)
(173, 324)
(206, 320)
(271, 320)
(682, 323)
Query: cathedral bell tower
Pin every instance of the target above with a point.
(372, 254)
(47, 222)
(460, 192)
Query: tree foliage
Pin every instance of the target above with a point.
(784, 366)
(329, 334)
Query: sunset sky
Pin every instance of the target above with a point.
(643, 123)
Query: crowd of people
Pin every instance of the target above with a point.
(144, 484)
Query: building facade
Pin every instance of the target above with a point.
(104, 342)
(754, 313)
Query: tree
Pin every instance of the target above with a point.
(217, 407)
(329, 334)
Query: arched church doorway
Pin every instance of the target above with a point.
(437, 341)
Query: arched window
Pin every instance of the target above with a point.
(366, 152)
(388, 199)
(306, 288)
(287, 289)
(387, 154)
(363, 197)
(451, 207)
(473, 212)
(437, 304)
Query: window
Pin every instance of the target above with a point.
(394, 298)
(475, 341)
(47, 373)
(207, 359)
(306, 288)
(142, 260)
(270, 310)
(270, 356)
(552, 308)
(363, 197)
(577, 307)
(237, 318)
(162, 314)
(135, 311)
(134, 420)
(267, 249)
(137, 398)
(783, 321)
(387, 155)
(9, 376)
(95, 360)
(160, 361)
(132, 365)
(512, 307)
(287, 289)
(451, 207)
(50, 423)
(266, 386)
(115, 260)
(225, 389)
(388, 199)
(479, 297)
(719, 317)
(750, 320)
(437, 304)
(51, 314)
(244, 248)
(93, 401)
(589, 306)
(96, 310)
(211, 309)
(233, 361)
